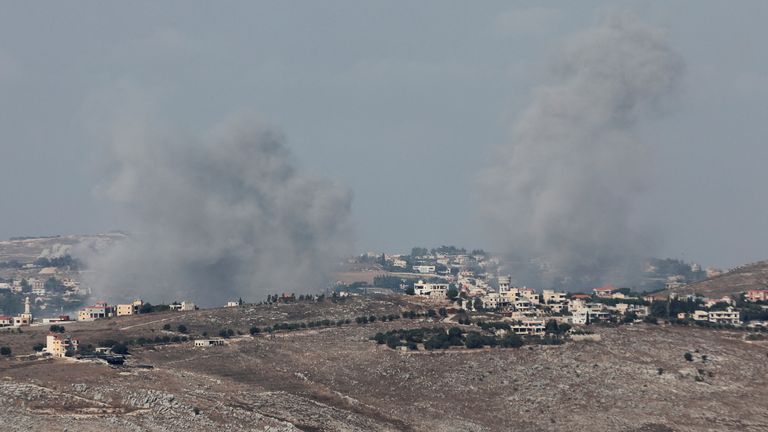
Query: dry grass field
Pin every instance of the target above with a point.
(336, 379)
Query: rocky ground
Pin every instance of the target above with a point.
(634, 379)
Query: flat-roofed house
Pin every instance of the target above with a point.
(96, 311)
(728, 316)
(132, 308)
(209, 342)
(58, 345)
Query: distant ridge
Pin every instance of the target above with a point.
(743, 278)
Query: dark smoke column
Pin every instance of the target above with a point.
(224, 217)
(564, 187)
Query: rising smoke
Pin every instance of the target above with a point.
(226, 217)
(564, 189)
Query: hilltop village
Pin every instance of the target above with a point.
(453, 285)
(367, 352)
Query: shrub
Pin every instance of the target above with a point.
(393, 341)
(688, 356)
(108, 343)
(6, 351)
(512, 341)
(38, 346)
(166, 327)
(120, 349)
(57, 328)
(255, 330)
(181, 328)
(473, 340)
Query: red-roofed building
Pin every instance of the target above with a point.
(6, 321)
(581, 296)
(756, 295)
(604, 291)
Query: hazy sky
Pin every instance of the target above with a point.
(404, 102)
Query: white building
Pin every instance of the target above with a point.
(504, 283)
(424, 269)
(209, 342)
(531, 327)
(729, 316)
(431, 290)
(183, 306)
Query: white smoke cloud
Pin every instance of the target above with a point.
(57, 250)
(565, 185)
(229, 216)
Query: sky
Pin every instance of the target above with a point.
(403, 102)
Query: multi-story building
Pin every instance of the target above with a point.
(132, 308)
(729, 316)
(531, 327)
(552, 297)
(97, 311)
(431, 290)
(58, 345)
(504, 283)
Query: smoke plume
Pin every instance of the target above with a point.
(564, 189)
(215, 219)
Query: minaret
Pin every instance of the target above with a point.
(26, 306)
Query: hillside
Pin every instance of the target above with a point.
(740, 279)
(336, 379)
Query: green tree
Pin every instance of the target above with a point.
(6, 351)
(629, 317)
(688, 356)
(452, 293)
(512, 341)
(473, 340)
(393, 341)
(166, 327)
(552, 327)
(181, 328)
(478, 304)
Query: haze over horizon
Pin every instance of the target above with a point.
(404, 104)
